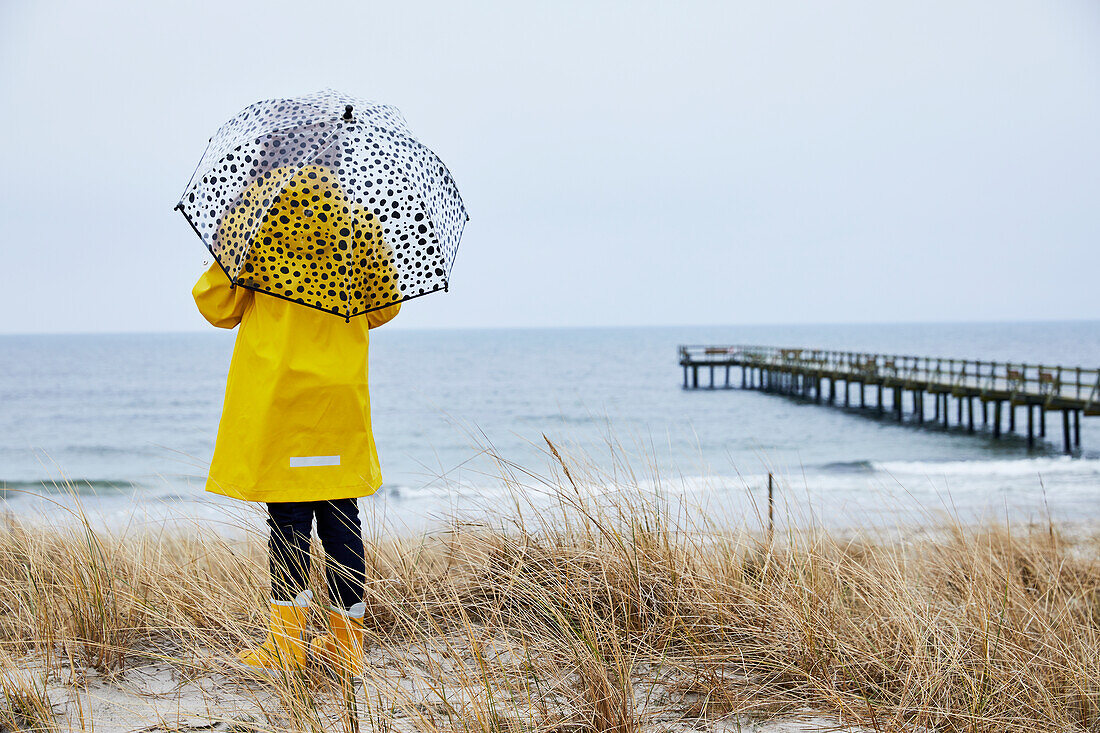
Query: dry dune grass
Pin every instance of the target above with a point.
(598, 615)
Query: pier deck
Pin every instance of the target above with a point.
(815, 374)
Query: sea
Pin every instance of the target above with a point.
(122, 427)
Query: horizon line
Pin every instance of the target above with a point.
(609, 327)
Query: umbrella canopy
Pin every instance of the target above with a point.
(326, 200)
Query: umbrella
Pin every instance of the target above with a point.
(326, 200)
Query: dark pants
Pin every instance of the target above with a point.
(341, 536)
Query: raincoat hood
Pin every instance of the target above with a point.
(296, 235)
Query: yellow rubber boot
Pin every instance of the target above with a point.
(284, 649)
(341, 650)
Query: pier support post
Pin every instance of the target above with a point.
(727, 376)
(997, 419)
(832, 391)
(1065, 432)
(1030, 426)
(1076, 428)
(898, 394)
(862, 394)
(880, 407)
(936, 414)
(744, 380)
(846, 383)
(958, 410)
(695, 377)
(1011, 416)
(970, 414)
(685, 377)
(946, 413)
(918, 405)
(712, 376)
(985, 413)
(1042, 422)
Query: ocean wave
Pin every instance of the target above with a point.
(562, 419)
(99, 451)
(79, 486)
(849, 467)
(993, 468)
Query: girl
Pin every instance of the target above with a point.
(295, 430)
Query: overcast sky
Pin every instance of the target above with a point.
(623, 163)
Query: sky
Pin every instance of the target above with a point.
(623, 164)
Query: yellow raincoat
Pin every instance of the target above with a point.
(296, 421)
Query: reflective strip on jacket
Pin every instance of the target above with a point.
(295, 424)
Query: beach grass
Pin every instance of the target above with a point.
(600, 612)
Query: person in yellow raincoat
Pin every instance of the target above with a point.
(295, 430)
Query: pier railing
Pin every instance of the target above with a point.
(1050, 385)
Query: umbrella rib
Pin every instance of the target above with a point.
(351, 261)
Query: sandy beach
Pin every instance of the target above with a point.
(602, 613)
(162, 696)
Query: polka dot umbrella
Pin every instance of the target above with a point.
(326, 200)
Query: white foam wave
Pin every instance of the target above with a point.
(1045, 466)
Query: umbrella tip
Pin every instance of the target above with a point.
(347, 112)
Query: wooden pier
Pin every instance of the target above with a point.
(880, 384)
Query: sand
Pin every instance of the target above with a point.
(213, 694)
